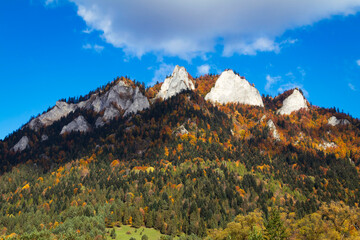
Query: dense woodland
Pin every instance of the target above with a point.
(225, 177)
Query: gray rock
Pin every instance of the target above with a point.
(273, 130)
(292, 103)
(21, 145)
(231, 88)
(181, 130)
(333, 121)
(173, 85)
(325, 145)
(44, 137)
(79, 124)
(125, 97)
(61, 109)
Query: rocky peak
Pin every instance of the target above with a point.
(78, 124)
(125, 97)
(231, 88)
(61, 109)
(177, 82)
(294, 102)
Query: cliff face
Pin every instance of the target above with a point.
(179, 81)
(231, 88)
(292, 103)
(79, 124)
(127, 99)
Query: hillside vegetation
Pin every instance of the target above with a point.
(186, 167)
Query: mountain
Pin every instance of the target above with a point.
(186, 156)
(120, 99)
(231, 88)
(177, 82)
(79, 124)
(294, 102)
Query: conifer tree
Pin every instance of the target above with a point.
(274, 227)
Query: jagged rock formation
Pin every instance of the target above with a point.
(292, 103)
(125, 97)
(61, 109)
(79, 124)
(333, 121)
(21, 145)
(109, 114)
(179, 81)
(273, 130)
(234, 89)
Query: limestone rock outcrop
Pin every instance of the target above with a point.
(292, 103)
(78, 124)
(21, 145)
(273, 130)
(231, 88)
(127, 98)
(176, 83)
(333, 121)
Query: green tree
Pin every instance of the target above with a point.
(255, 234)
(274, 227)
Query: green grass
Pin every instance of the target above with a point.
(121, 233)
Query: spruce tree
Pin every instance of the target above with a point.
(274, 227)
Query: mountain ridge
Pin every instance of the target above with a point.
(106, 102)
(183, 165)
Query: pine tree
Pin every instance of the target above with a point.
(274, 227)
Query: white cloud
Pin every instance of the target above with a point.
(270, 81)
(290, 80)
(352, 87)
(301, 71)
(87, 31)
(358, 62)
(95, 47)
(48, 2)
(292, 85)
(190, 28)
(203, 69)
(98, 48)
(161, 73)
(252, 47)
(87, 46)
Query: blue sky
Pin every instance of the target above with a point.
(56, 49)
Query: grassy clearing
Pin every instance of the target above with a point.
(121, 233)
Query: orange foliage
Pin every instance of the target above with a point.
(115, 163)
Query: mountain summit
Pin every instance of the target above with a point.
(292, 103)
(177, 82)
(168, 157)
(231, 88)
(121, 98)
